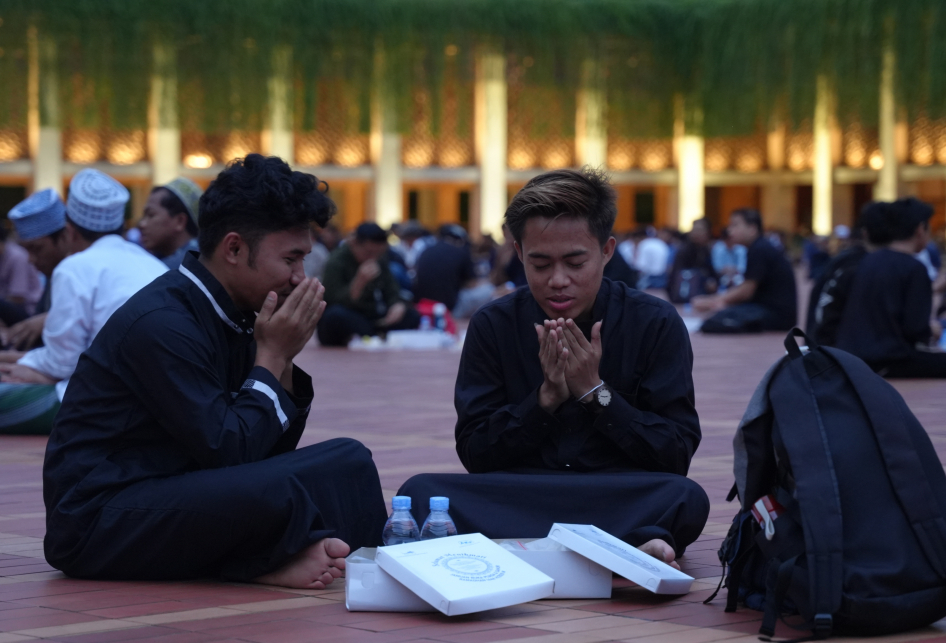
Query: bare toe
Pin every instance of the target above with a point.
(337, 548)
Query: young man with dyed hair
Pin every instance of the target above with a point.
(174, 455)
(574, 388)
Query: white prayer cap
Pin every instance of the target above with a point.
(96, 201)
(41, 214)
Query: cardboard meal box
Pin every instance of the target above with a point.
(368, 588)
(619, 557)
(464, 574)
(575, 576)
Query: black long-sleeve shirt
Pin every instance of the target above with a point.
(650, 425)
(888, 311)
(168, 387)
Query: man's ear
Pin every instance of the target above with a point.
(233, 248)
(180, 221)
(518, 251)
(608, 249)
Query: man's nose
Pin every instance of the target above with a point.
(559, 278)
(298, 273)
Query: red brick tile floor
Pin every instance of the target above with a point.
(400, 405)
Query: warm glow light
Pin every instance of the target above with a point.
(198, 161)
(454, 152)
(876, 160)
(451, 50)
(620, 158)
(352, 151)
(311, 149)
(10, 146)
(126, 148)
(717, 161)
(521, 157)
(749, 161)
(557, 154)
(419, 151)
(85, 147)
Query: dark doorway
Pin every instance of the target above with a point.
(644, 207)
(804, 206)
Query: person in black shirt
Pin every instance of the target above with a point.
(692, 273)
(445, 268)
(887, 318)
(767, 299)
(173, 455)
(574, 396)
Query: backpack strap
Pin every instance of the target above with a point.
(802, 431)
(907, 475)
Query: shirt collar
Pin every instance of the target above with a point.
(216, 293)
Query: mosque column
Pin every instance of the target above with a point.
(886, 187)
(823, 175)
(490, 114)
(778, 198)
(164, 134)
(45, 136)
(387, 200)
(689, 153)
(591, 135)
(277, 138)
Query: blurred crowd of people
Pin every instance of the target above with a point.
(875, 286)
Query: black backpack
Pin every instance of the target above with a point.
(860, 544)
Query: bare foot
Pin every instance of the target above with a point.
(660, 550)
(312, 568)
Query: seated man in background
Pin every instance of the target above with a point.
(445, 273)
(101, 273)
(766, 299)
(20, 286)
(361, 294)
(169, 223)
(575, 388)
(40, 223)
(887, 318)
(174, 456)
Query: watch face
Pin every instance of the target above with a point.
(604, 397)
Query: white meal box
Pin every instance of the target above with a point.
(621, 558)
(464, 574)
(368, 588)
(575, 576)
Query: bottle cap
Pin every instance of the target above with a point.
(439, 503)
(440, 309)
(401, 503)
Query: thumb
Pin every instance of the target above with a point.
(596, 337)
(269, 307)
(540, 331)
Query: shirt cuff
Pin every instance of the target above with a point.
(535, 420)
(302, 394)
(261, 381)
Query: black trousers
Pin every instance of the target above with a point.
(634, 506)
(11, 313)
(236, 522)
(920, 365)
(339, 324)
(745, 318)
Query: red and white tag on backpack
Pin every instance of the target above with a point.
(766, 509)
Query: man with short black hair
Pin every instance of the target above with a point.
(101, 273)
(574, 388)
(174, 456)
(169, 222)
(886, 319)
(361, 293)
(766, 299)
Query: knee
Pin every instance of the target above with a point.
(693, 498)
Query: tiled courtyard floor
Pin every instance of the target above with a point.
(400, 406)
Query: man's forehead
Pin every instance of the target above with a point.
(575, 234)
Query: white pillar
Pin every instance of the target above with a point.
(164, 134)
(691, 182)
(823, 175)
(491, 112)
(45, 137)
(886, 187)
(277, 137)
(385, 149)
(591, 135)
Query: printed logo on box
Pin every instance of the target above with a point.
(469, 567)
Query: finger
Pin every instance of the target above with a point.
(268, 308)
(579, 336)
(289, 307)
(596, 338)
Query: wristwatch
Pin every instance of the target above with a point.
(600, 399)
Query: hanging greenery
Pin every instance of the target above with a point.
(736, 63)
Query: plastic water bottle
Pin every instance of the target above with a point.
(438, 523)
(440, 316)
(401, 526)
(425, 323)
